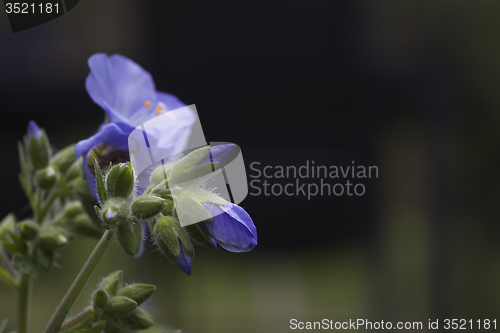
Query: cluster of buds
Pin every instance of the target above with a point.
(119, 211)
(120, 307)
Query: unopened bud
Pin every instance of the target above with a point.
(46, 178)
(73, 208)
(53, 237)
(139, 320)
(147, 206)
(38, 146)
(100, 298)
(83, 225)
(120, 306)
(115, 210)
(138, 292)
(112, 282)
(120, 181)
(168, 210)
(130, 236)
(28, 229)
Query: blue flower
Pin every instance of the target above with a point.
(184, 261)
(127, 93)
(34, 131)
(231, 227)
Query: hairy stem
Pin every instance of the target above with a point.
(76, 288)
(77, 319)
(23, 303)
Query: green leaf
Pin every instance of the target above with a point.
(130, 236)
(166, 237)
(99, 179)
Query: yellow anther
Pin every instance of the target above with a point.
(159, 110)
(147, 104)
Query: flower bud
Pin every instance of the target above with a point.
(38, 146)
(147, 206)
(115, 210)
(164, 193)
(100, 298)
(138, 292)
(130, 236)
(7, 226)
(74, 170)
(168, 210)
(63, 159)
(170, 236)
(139, 320)
(120, 306)
(46, 178)
(44, 257)
(201, 236)
(73, 208)
(53, 237)
(112, 282)
(113, 324)
(120, 181)
(83, 225)
(28, 229)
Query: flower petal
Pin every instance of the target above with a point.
(119, 86)
(184, 261)
(232, 227)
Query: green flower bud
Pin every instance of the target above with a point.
(168, 210)
(100, 298)
(63, 159)
(115, 210)
(130, 236)
(53, 237)
(147, 206)
(120, 181)
(28, 229)
(168, 232)
(37, 144)
(113, 324)
(46, 178)
(120, 306)
(112, 282)
(160, 174)
(73, 208)
(164, 193)
(139, 320)
(138, 292)
(7, 226)
(83, 225)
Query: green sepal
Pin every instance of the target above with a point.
(115, 210)
(120, 306)
(160, 174)
(186, 163)
(63, 159)
(166, 237)
(164, 193)
(147, 206)
(196, 172)
(130, 236)
(198, 235)
(113, 324)
(139, 320)
(28, 229)
(112, 283)
(120, 181)
(99, 179)
(191, 209)
(100, 298)
(138, 292)
(168, 210)
(202, 195)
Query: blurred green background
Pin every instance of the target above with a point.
(409, 86)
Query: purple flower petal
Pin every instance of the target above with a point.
(184, 261)
(232, 227)
(34, 130)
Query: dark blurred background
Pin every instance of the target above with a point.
(409, 86)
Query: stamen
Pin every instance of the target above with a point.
(147, 104)
(159, 110)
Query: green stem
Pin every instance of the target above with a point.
(79, 283)
(42, 211)
(23, 303)
(77, 319)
